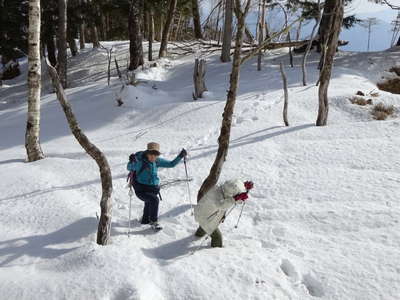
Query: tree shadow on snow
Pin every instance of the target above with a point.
(176, 211)
(11, 161)
(252, 138)
(173, 250)
(58, 188)
(43, 246)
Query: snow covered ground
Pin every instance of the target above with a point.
(322, 221)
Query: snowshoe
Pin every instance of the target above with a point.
(155, 226)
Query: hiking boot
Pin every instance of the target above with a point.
(144, 221)
(200, 232)
(155, 226)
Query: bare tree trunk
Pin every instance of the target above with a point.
(104, 228)
(286, 95)
(62, 42)
(298, 32)
(261, 31)
(165, 34)
(312, 37)
(71, 41)
(117, 67)
(82, 35)
(135, 35)
(227, 37)
(289, 39)
(398, 42)
(51, 48)
(151, 33)
(196, 19)
(336, 12)
(198, 78)
(217, 24)
(48, 36)
(32, 143)
(223, 140)
(158, 34)
(95, 33)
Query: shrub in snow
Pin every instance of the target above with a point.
(391, 81)
(390, 85)
(395, 70)
(360, 101)
(382, 111)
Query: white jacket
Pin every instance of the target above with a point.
(212, 207)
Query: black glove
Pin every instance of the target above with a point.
(132, 158)
(183, 153)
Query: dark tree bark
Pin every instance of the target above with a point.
(312, 37)
(48, 35)
(324, 29)
(335, 10)
(62, 42)
(71, 41)
(227, 37)
(82, 37)
(95, 36)
(196, 19)
(151, 33)
(135, 35)
(398, 42)
(165, 34)
(104, 228)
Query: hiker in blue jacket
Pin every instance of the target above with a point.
(143, 167)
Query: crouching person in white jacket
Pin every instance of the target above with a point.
(211, 209)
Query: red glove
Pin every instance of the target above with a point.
(241, 197)
(248, 185)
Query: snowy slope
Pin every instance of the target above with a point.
(321, 223)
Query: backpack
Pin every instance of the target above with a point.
(132, 174)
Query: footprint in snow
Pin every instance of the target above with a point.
(313, 286)
(289, 269)
(278, 231)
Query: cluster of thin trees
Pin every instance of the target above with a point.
(139, 20)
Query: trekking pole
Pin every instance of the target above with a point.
(130, 206)
(188, 186)
(241, 211)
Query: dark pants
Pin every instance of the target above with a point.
(148, 194)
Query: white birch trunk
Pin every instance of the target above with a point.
(32, 144)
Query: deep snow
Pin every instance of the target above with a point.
(321, 223)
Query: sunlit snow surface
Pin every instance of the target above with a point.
(321, 223)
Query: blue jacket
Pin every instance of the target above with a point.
(146, 172)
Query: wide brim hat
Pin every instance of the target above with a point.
(153, 148)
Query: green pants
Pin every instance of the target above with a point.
(216, 237)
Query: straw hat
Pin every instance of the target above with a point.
(153, 148)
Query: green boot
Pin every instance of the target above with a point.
(200, 232)
(216, 239)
